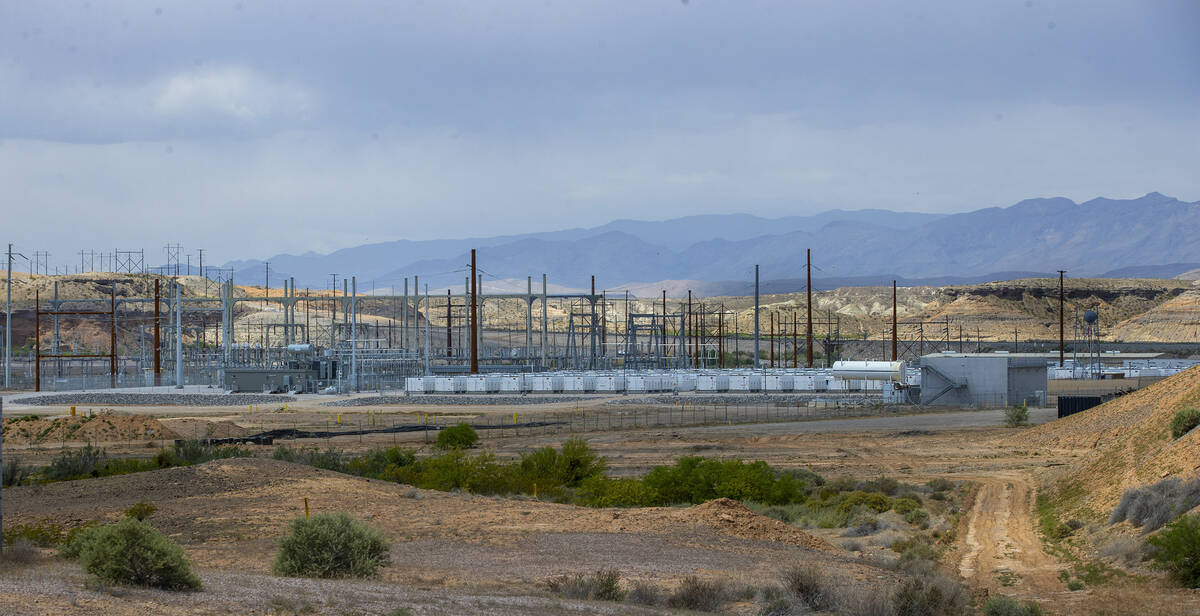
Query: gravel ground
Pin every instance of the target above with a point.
(457, 400)
(749, 399)
(114, 399)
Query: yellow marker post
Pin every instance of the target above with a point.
(305, 507)
(535, 490)
(514, 419)
(72, 411)
(339, 419)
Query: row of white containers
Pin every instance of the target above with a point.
(637, 382)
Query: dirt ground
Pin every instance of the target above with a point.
(461, 553)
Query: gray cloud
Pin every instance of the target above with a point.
(249, 128)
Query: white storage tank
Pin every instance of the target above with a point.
(869, 370)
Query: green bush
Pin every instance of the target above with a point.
(140, 510)
(812, 586)
(132, 552)
(330, 546)
(871, 500)
(1007, 606)
(605, 492)
(940, 485)
(915, 548)
(883, 485)
(917, 517)
(569, 468)
(1177, 550)
(461, 436)
(905, 504)
(75, 464)
(696, 480)
(1184, 421)
(1016, 416)
(43, 533)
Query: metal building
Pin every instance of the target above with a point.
(982, 379)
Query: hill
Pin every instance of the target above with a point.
(1151, 236)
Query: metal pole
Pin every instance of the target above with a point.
(1061, 320)
(37, 344)
(178, 336)
(8, 323)
(427, 368)
(809, 356)
(893, 320)
(157, 337)
(528, 315)
(112, 339)
(756, 362)
(474, 318)
(354, 332)
(544, 325)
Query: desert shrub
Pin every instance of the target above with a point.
(1016, 416)
(1075, 585)
(917, 517)
(694, 593)
(905, 504)
(140, 510)
(779, 513)
(883, 485)
(645, 593)
(1184, 421)
(374, 463)
(837, 486)
(932, 594)
(605, 492)
(1124, 550)
(330, 546)
(569, 467)
(1177, 550)
(863, 600)
(74, 464)
(43, 533)
(810, 585)
(196, 452)
(18, 553)
(15, 473)
(939, 484)
(132, 552)
(1150, 507)
(809, 478)
(915, 548)
(696, 480)
(1007, 606)
(862, 525)
(600, 586)
(461, 436)
(870, 500)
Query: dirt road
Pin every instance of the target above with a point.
(1001, 547)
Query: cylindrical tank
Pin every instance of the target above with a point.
(869, 370)
(299, 348)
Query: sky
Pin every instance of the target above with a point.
(250, 128)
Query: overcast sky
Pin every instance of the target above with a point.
(250, 128)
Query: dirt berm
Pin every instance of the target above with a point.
(1129, 440)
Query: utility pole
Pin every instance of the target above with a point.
(266, 282)
(808, 260)
(178, 337)
(428, 371)
(756, 362)
(1061, 319)
(893, 320)
(8, 323)
(354, 332)
(474, 318)
(202, 272)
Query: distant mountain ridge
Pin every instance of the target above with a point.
(1153, 234)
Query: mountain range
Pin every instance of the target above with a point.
(1151, 236)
